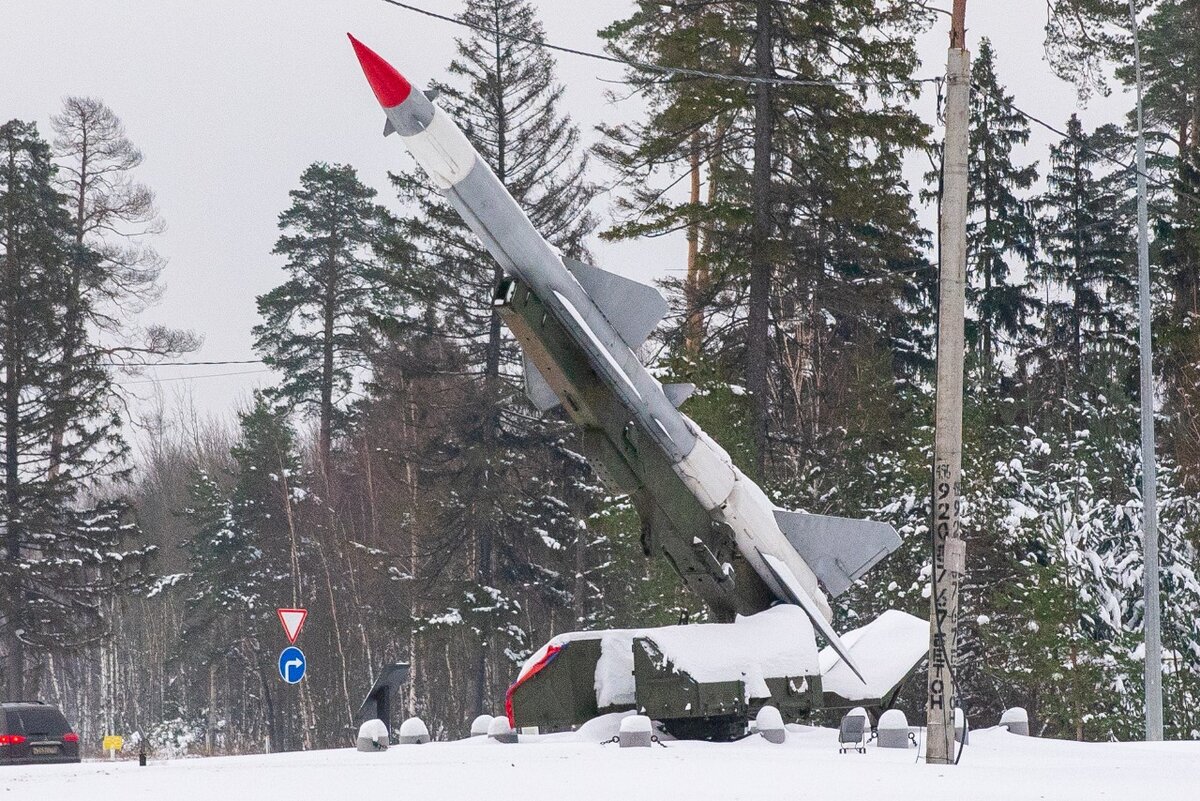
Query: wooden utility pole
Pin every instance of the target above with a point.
(949, 549)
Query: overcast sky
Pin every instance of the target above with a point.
(231, 99)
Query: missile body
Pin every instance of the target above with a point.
(579, 327)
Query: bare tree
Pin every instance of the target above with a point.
(114, 274)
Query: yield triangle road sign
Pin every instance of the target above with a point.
(293, 621)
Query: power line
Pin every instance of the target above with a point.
(750, 79)
(1113, 160)
(183, 364)
(191, 377)
(657, 68)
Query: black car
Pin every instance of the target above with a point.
(33, 733)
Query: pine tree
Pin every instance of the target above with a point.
(65, 551)
(1001, 223)
(315, 327)
(808, 233)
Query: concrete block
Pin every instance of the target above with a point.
(769, 724)
(372, 736)
(636, 731)
(1016, 720)
(413, 732)
(500, 731)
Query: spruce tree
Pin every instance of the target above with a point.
(1085, 37)
(1000, 226)
(65, 551)
(244, 563)
(315, 327)
(1172, 108)
(1087, 271)
(513, 497)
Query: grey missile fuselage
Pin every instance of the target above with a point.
(716, 526)
(493, 216)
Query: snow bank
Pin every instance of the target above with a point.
(995, 767)
(886, 649)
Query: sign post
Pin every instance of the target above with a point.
(292, 663)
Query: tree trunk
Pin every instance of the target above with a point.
(695, 326)
(14, 525)
(72, 323)
(758, 334)
(327, 349)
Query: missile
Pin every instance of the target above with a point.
(580, 328)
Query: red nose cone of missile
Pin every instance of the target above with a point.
(389, 86)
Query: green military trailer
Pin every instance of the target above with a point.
(703, 681)
(707, 681)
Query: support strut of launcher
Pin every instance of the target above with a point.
(580, 329)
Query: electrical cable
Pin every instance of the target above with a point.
(657, 68)
(1064, 135)
(181, 364)
(190, 377)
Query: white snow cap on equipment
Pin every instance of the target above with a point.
(414, 727)
(635, 723)
(771, 644)
(499, 726)
(1014, 714)
(373, 730)
(768, 718)
(886, 649)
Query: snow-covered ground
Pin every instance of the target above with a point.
(996, 765)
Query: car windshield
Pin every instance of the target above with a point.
(40, 721)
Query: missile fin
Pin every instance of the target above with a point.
(791, 586)
(632, 308)
(838, 549)
(678, 393)
(388, 128)
(537, 388)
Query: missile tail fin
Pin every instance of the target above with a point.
(678, 393)
(633, 309)
(388, 128)
(537, 388)
(791, 586)
(838, 549)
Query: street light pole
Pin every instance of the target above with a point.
(1152, 624)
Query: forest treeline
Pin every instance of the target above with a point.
(395, 481)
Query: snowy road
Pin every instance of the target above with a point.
(997, 765)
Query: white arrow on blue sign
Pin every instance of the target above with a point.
(292, 665)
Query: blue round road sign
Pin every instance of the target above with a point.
(292, 665)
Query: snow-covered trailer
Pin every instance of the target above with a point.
(701, 681)
(708, 680)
